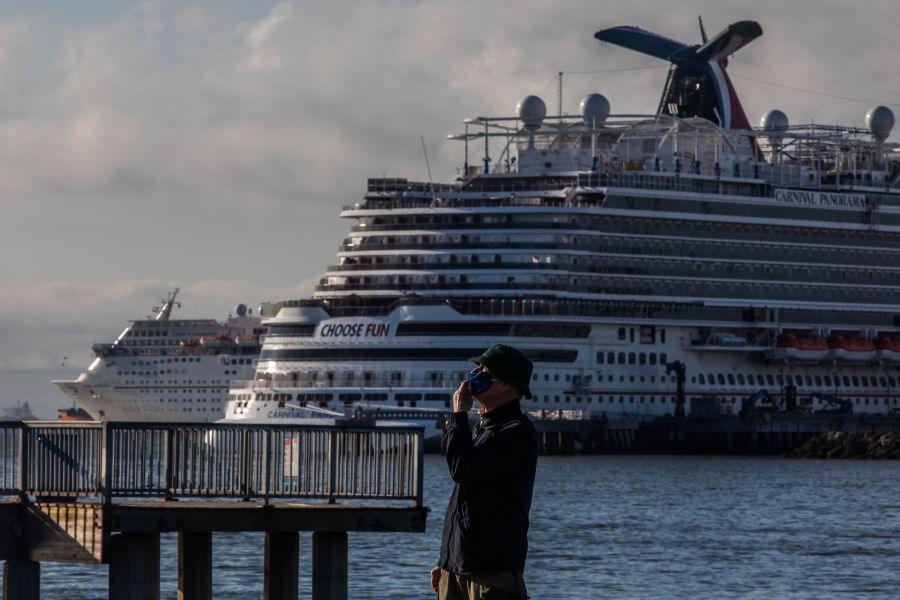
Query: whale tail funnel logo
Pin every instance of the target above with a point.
(698, 85)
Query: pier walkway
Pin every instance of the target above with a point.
(103, 493)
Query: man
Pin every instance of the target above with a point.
(485, 538)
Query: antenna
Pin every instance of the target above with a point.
(702, 31)
(428, 167)
(559, 95)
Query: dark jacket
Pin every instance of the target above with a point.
(486, 525)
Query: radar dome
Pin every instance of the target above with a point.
(774, 121)
(880, 121)
(594, 109)
(240, 310)
(532, 110)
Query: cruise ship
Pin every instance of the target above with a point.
(165, 369)
(643, 262)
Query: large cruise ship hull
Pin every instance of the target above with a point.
(649, 265)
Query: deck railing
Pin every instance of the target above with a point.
(163, 460)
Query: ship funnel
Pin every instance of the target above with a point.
(698, 85)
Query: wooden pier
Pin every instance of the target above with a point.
(103, 493)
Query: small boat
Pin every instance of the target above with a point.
(850, 349)
(73, 414)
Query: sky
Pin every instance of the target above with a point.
(211, 145)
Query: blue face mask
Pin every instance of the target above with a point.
(480, 381)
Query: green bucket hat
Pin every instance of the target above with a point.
(509, 365)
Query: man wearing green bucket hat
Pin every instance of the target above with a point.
(485, 539)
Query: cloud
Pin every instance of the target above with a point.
(174, 143)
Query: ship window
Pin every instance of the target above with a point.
(600, 356)
(865, 380)
(712, 379)
(769, 379)
(556, 377)
(855, 381)
(611, 358)
(720, 378)
(731, 379)
(827, 379)
(662, 336)
(631, 334)
(622, 333)
(891, 381)
(740, 379)
(621, 358)
(818, 380)
(845, 380)
(642, 358)
(652, 358)
(662, 358)
(631, 358)
(883, 381)
(702, 379)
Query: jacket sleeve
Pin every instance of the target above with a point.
(500, 454)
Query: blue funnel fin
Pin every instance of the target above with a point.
(641, 41)
(730, 40)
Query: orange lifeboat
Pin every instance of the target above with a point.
(246, 340)
(887, 349)
(214, 341)
(790, 346)
(851, 349)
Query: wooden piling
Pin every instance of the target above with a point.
(282, 560)
(134, 566)
(329, 550)
(21, 580)
(194, 565)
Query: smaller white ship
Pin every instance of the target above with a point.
(165, 369)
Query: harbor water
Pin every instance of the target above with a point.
(625, 527)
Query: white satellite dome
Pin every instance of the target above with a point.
(594, 109)
(531, 110)
(774, 121)
(880, 121)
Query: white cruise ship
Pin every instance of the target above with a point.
(165, 369)
(762, 263)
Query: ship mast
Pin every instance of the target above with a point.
(166, 311)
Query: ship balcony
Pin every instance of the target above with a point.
(356, 382)
(510, 201)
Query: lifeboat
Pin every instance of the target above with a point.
(850, 349)
(789, 346)
(214, 341)
(887, 349)
(188, 343)
(246, 340)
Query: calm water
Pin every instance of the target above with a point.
(627, 527)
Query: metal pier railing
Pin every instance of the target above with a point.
(155, 460)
